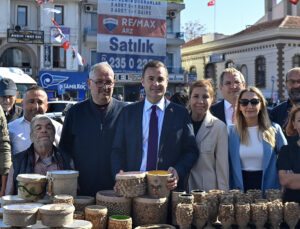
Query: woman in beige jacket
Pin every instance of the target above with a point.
(211, 171)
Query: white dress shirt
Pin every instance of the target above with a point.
(228, 110)
(160, 111)
(19, 134)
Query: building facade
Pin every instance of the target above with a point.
(263, 52)
(27, 41)
(27, 36)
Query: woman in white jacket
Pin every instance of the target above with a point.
(211, 170)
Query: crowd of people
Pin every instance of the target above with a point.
(237, 143)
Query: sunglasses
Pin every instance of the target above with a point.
(245, 102)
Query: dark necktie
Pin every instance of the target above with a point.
(152, 140)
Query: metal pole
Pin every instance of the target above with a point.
(215, 6)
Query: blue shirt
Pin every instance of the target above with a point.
(160, 111)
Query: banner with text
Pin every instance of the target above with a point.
(131, 33)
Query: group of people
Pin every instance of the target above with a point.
(232, 144)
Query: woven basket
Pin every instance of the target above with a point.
(130, 184)
(147, 210)
(57, 215)
(20, 215)
(115, 205)
(97, 215)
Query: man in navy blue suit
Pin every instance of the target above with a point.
(231, 83)
(155, 134)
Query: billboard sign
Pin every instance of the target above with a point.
(131, 33)
(51, 80)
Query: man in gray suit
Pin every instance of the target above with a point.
(155, 134)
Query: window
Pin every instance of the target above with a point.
(22, 15)
(260, 72)
(94, 22)
(193, 70)
(94, 57)
(229, 64)
(210, 71)
(59, 18)
(296, 61)
(169, 62)
(169, 25)
(59, 57)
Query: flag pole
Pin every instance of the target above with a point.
(215, 6)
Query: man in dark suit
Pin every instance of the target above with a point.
(231, 83)
(280, 113)
(155, 133)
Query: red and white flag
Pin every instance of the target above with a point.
(294, 1)
(66, 45)
(48, 11)
(41, 2)
(78, 57)
(211, 3)
(58, 36)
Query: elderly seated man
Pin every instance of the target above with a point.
(41, 156)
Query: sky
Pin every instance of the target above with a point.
(232, 16)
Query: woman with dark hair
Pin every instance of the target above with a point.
(253, 143)
(211, 169)
(288, 163)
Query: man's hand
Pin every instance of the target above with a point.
(173, 180)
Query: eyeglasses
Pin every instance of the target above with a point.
(102, 84)
(291, 81)
(245, 102)
(230, 84)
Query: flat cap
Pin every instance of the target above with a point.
(7, 87)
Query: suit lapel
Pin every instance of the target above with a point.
(138, 132)
(167, 124)
(222, 112)
(267, 149)
(205, 127)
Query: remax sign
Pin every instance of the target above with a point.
(131, 33)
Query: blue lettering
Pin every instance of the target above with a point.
(114, 44)
(131, 46)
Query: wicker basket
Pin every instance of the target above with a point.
(130, 184)
(80, 202)
(57, 215)
(148, 210)
(20, 215)
(97, 215)
(115, 205)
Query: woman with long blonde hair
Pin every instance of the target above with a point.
(253, 144)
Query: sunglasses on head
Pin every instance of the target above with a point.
(245, 102)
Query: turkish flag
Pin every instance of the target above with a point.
(294, 1)
(211, 3)
(66, 45)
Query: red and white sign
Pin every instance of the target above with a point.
(131, 26)
(131, 33)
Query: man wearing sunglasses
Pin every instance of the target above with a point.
(231, 83)
(280, 113)
(88, 131)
